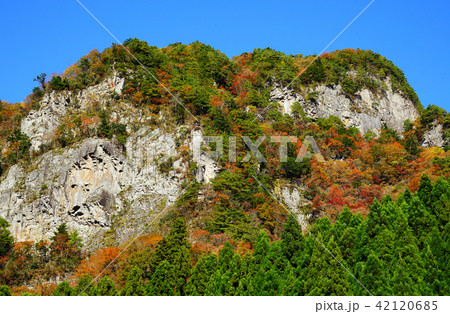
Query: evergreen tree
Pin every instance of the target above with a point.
(225, 257)
(4, 291)
(106, 287)
(174, 249)
(61, 230)
(291, 240)
(260, 252)
(6, 240)
(217, 285)
(438, 246)
(201, 275)
(440, 201)
(403, 281)
(268, 267)
(376, 220)
(424, 191)
(419, 218)
(374, 276)
(325, 275)
(75, 241)
(134, 285)
(408, 270)
(288, 287)
(163, 281)
(63, 289)
(433, 276)
(445, 259)
(85, 286)
(347, 244)
(226, 279)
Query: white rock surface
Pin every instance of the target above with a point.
(285, 97)
(88, 185)
(433, 137)
(40, 125)
(366, 111)
(292, 196)
(207, 167)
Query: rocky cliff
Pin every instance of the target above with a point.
(88, 185)
(41, 124)
(366, 110)
(105, 191)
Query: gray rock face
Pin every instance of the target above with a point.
(366, 111)
(285, 97)
(433, 137)
(88, 185)
(292, 196)
(104, 192)
(40, 125)
(207, 168)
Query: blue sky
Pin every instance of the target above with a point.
(49, 35)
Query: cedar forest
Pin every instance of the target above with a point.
(379, 204)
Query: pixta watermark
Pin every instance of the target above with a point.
(307, 150)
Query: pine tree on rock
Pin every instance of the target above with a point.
(6, 239)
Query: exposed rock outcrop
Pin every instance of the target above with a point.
(366, 111)
(41, 124)
(285, 97)
(433, 136)
(207, 168)
(88, 185)
(292, 196)
(105, 192)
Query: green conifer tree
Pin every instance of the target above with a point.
(201, 275)
(134, 285)
(325, 275)
(106, 287)
(85, 286)
(64, 289)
